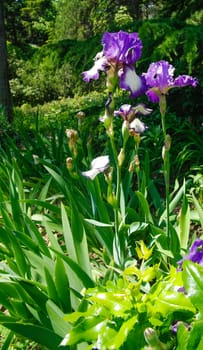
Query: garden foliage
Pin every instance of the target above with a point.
(98, 245)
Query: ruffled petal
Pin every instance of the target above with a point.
(93, 73)
(159, 74)
(122, 47)
(185, 80)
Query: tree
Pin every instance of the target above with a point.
(29, 21)
(180, 9)
(5, 95)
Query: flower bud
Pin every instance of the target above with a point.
(125, 132)
(69, 163)
(167, 142)
(121, 157)
(151, 337)
(72, 135)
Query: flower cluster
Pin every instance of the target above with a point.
(120, 53)
(129, 114)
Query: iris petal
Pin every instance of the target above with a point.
(185, 80)
(129, 80)
(122, 47)
(98, 165)
(93, 73)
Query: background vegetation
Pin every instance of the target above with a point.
(56, 229)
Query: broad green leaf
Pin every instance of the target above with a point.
(182, 337)
(87, 329)
(200, 345)
(193, 283)
(57, 318)
(169, 302)
(39, 334)
(195, 340)
(51, 288)
(38, 263)
(75, 239)
(87, 282)
(117, 341)
(62, 285)
(44, 190)
(68, 235)
(117, 303)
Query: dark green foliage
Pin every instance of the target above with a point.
(54, 71)
(29, 21)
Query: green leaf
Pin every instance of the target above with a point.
(39, 334)
(170, 301)
(173, 203)
(51, 289)
(87, 329)
(98, 223)
(117, 341)
(182, 337)
(145, 206)
(68, 235)
(75, 239)
(184, 220)
(87, 282)
(7, 341)
(37, 236)
(193, 283)
(199, 209)
(19, 255)
(62, 285)
(57, 318)
(196, 336)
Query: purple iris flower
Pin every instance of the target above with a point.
(128, 112)
(160, 79)
(121, 50)
(195, 253)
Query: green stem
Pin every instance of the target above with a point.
(137, 162)
(166, 160)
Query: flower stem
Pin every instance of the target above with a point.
(166, 160)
